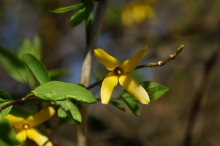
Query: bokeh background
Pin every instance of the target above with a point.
(129, 26)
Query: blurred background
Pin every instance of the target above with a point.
(193, 77)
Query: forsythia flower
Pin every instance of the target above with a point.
(25, 127)
(118, 72)
(136, 12)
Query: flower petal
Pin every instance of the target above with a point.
(134, 88)
(108, 86)
(129, 65)
(36, 136)
(40, 117)
(17, 122)
(107, 60)
(21, 135)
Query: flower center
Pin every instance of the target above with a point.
(118, 71)
(26, 126)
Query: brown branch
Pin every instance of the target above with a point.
(87, 67)
(209, 65)
(161, 63)
(21, 100)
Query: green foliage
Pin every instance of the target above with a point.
(117, 105)
(13, 65)
(61, 113)
(57, 73)
(5, 111)
(5, 98)
(8, 136)
(154, 90)
(28, 47)
(77, 18)
(68, 8)
(67, 105)
(132, 104)
(36, 68)
(56, 90)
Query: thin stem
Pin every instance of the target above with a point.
(155, 64)
(161, 63)
(87, 67)
(21, 100)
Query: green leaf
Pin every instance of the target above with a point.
(154, 90)
(4, 96)
(5, 111)
(28, 47)
(159, 93)
(88, 18)
(61, 113)
(68, 8)
(13, 65)
(36, 68)
(117, 105)
(7, 135)
(57, 73)
(77, 18)
(67, 105)
(56, 90)
(132, 104)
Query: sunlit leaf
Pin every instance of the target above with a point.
(56, 90)
(117, 105)
(61, 113)
(159, 93)
(68, 8)
(5, 111)
(37, 68)
(7, 134)
(13, 65)
(78, 17)
(67, 105)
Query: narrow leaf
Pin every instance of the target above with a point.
(132, 104)
(117, 105)
(67, 105)
(5, 111)
(77, 18)
(61, 113)
(36, 68)
(7, 134)
(13, 65)
(4, 96)
(68, 8)
(56, 90)
(159, 93)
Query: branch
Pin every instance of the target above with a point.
(161, 63)
(21, 100)
(87, 67)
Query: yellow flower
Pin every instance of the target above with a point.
(25, 127)
(119, 72)
(136, 12)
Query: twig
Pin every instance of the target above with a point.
(209, 65)
(21, 100)
(155, 64)
(161, 63)
(87, 67)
